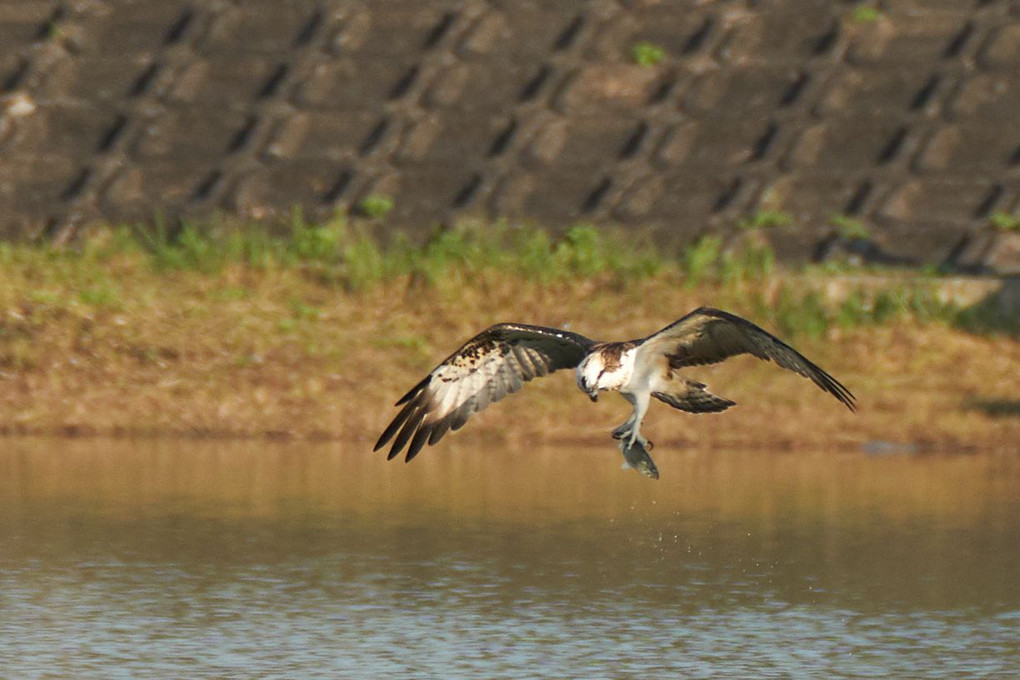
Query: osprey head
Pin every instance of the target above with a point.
(588, 373)
(609, 367)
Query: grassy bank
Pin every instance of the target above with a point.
(312, 331)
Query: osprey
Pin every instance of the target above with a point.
(500, 359)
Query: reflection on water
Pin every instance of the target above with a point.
(149, 559)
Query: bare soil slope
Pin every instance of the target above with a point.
(243, 354)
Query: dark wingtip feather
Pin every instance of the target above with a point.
(848, 398)
(420, 437)
(409, 428)
(836, 389)
(387, 434)
(394, 425)
(438, 430)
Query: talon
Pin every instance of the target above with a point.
(621, 432)
(649, 445)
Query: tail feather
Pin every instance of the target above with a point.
(691, 396)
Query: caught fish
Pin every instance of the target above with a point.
(637, 457)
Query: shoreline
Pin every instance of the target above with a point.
(486, 437)
(920, 387)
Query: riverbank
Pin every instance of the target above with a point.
(102, 342)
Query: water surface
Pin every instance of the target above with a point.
(213, 560)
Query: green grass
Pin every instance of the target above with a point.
(103, 295)
(374, 206)
(849, 228)
(1005, 222)
(864, 13)
(646, 53)
(766, 219)
(700, 260)
(797, 311)
(343, 255)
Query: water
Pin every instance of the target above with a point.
(213, 560)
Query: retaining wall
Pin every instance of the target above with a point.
(905, 119)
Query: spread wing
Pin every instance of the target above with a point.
(494, 363)
(707, 336)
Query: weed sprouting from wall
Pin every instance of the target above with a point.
(646, 53)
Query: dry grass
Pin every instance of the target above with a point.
(242, 352)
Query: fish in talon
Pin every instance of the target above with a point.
(637, 458)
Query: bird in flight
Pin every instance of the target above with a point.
(500, 359)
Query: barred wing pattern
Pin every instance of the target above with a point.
(707, 336)
(494, 363)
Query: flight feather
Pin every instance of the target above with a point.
(494, 363)
(708, 336)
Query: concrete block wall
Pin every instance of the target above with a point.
(906, 119)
